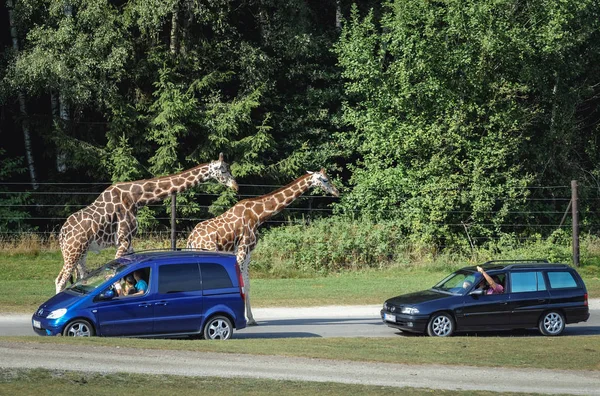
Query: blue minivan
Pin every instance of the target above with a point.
(193, 293)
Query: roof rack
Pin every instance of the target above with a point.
(543, 261)
(167, 250)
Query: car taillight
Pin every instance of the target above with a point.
(585, 299)
(240, 281)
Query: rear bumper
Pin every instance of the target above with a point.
(576, 315)
(412, 323)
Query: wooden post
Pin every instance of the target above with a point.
(574, 207)
(173, 208)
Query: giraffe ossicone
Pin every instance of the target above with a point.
(111, 219)
(236, 229)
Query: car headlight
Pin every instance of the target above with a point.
(409, 310)
(57, 313)
(385, 306)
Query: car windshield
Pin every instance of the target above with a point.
(97, 277)
(458, 282)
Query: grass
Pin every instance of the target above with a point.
(27, 280)
(575, 352)
(45, 382)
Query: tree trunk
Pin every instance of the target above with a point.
(338, 15)
(188, 19)
(174, 29)
(22, 104)
(63, 112)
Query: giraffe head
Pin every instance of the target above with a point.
(219, 170)
(320, 179)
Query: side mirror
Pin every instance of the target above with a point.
(107, 295)
(477, 292)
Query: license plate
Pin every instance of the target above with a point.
(389, 317)
(37, 324)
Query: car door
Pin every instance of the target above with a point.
(125, 316)
(528, 297)
(485, 311)
(178, 305)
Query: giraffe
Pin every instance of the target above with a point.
(111, 219)
(236, 229)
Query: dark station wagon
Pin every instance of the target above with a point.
(536, 294)
(191, 293)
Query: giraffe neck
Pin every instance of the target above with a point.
(275, 202)
(157, 189)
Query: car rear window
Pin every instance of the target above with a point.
(561, 280)
(174, 278)
(527, 281)
(214, 276)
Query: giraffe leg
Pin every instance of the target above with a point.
(81, 268)
(246, 276)
(123, 239)
(64, 275)
(70, 258)
(244, 260)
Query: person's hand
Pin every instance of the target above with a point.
(479, 269)
(117, 286)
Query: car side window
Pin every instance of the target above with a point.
(561, 280)
(175, 278)
(527, 281)
(214, 276)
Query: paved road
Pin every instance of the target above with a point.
(347, 321)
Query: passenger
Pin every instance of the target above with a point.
(141, 286)
(129, 286)
(494, 283)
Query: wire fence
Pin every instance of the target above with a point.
(43, 211)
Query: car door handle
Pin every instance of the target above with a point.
(143, 305)
(542, 300)
(161, 303)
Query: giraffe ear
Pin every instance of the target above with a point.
(220, 156)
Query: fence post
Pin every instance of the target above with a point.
(173, 214)
(575, 216)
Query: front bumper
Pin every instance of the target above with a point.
(46, 327)
(412, 323)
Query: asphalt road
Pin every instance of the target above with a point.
(346, 321)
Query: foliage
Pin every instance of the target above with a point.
(12, 218)
(447, 101)
(434, 117)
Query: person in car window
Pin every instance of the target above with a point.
(129, 287)
(141, 286)
(494, 283)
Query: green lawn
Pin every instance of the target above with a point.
(27, 280)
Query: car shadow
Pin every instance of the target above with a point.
(571, 331)
(240, 335)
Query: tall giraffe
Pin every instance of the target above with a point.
(236, 229)
(111, 219)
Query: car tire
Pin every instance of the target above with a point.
(79, 328)
(552, 323)
(441, 325)
(218, 328)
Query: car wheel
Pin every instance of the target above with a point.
(218, 328)
(552, 323)
(440, 325)
(79, 328)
